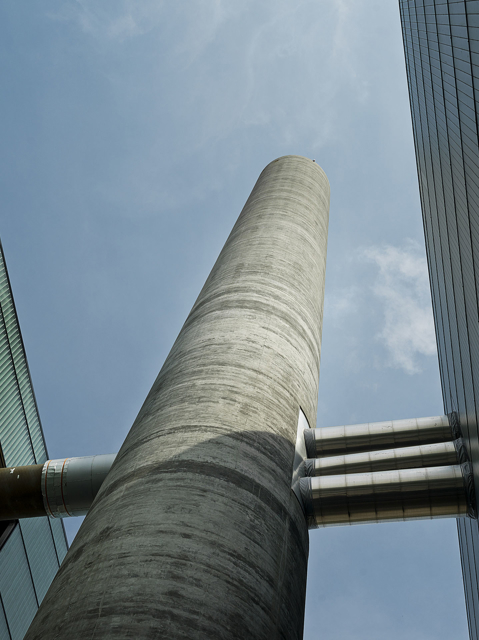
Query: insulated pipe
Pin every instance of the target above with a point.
(331, 441)
(429, 455)
(69, 486)
(58, 488)
(410, 494)
(20, 492)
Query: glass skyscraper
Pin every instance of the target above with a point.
(441, 43)
(32, 550)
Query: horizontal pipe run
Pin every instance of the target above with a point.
(429, 455)
(409, 494)
(69, 486)
(20, 492)
(373, 436)
(58, 488)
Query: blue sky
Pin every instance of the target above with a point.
(132, 134)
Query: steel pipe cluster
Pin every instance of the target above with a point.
(377, 472)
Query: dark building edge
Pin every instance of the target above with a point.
(438, 38)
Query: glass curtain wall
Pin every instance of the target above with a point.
(441, 44)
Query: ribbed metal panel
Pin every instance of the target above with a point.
(16, 586)
(41, 553)
(58, 533)
(22, 444)
(31, 556)
(4, 630)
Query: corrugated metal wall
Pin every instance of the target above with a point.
(30, 557)
(441, 42)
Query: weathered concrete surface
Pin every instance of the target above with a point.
(195, 533)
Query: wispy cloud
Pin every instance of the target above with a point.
(402, 288)
(341, 303)
(238, 62)
(111, 21)
(390, 306)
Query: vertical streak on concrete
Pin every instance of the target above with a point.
(195, 532)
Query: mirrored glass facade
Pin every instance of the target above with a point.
(31, 550)
(441, 43)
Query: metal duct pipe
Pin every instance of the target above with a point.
(410, 494)
(371, 436)
(429, 455)
(20, 492)
(58, 488)
(69, 486)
